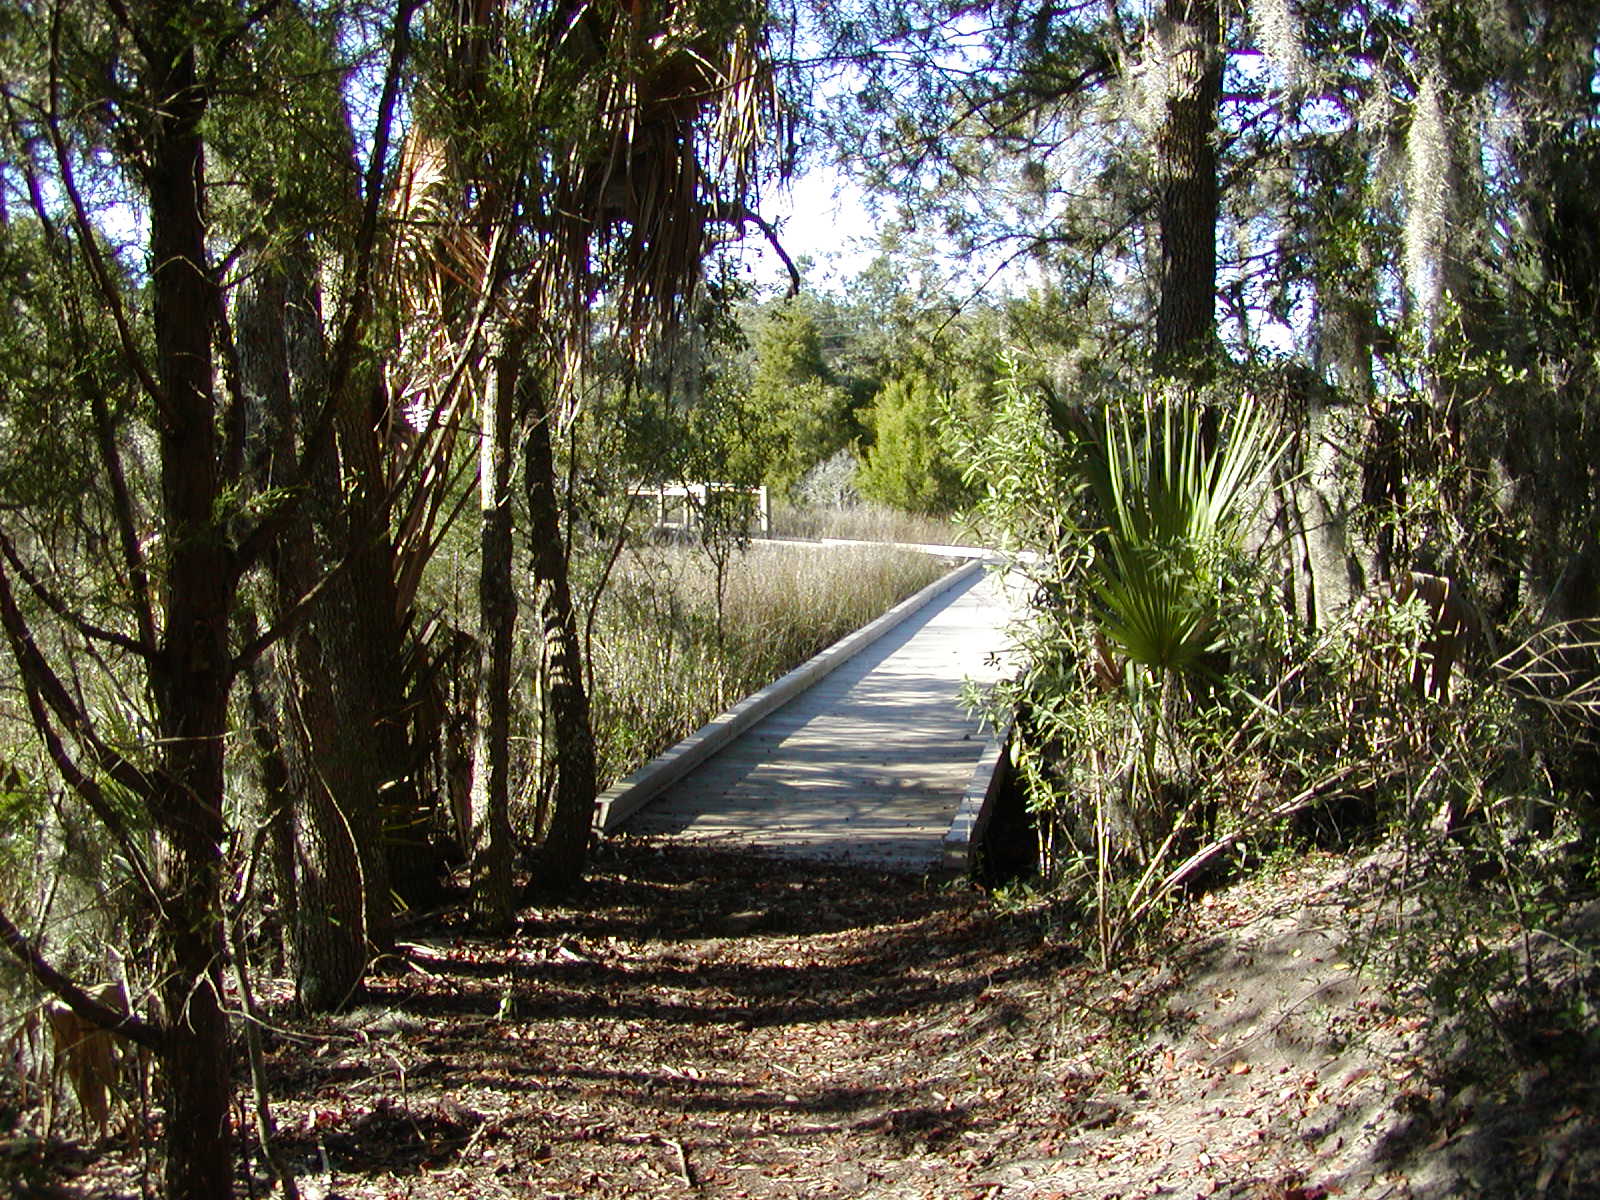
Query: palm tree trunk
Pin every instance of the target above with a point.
(492, 898)
(564, 850)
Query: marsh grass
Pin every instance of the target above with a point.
(660, 669)
(867, 522)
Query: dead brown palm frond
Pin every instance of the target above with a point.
(681, 110)
(439, 288)
(435, 250)
(621, 219)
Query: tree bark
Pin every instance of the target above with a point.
(192, 670)
(492, 897)
(564, 851)
(350, 651)
(1187, 41)
(268, 735)
(368, 763)
(1328, 482)
(326, 926)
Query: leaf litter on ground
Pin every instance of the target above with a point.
(710, 1023)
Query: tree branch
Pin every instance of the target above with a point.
(342, 360)
(45, 691)
(127, 531)
(135, 1029)
(735, 213)
(58, 606)
(258, 645)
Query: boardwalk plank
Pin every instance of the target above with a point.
(867, 766)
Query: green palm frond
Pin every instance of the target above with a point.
(1152, 611)
(1172, 493)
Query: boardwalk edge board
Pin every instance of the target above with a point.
(965, 835)
(615, 805)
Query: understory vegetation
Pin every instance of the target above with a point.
(1175, 731)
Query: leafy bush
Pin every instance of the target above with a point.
(1173, 717)
(908, 465)
(1145, 516)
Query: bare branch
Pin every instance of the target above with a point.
(86, 787)
(1556, 668)
(739, 214)
(294, 614)
(134, 29)
(59, 606)
(127, 530)
(135, 1029)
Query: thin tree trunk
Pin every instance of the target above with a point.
(192, 670)
(1329, 486)
(564, 852)
(493, 902)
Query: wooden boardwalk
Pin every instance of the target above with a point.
(870, 764)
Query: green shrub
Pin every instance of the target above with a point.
(909, 466)
(1173, 718)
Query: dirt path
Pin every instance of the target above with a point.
(717, 1025)
(703, 1024)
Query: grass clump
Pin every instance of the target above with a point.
(663, 663)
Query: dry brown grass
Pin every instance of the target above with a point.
(659, 670)
(870, 523)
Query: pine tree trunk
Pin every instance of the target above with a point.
(1188, 39)
(564, 852)
(492, 896)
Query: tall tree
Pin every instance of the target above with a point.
(1183, 50)
(298, 710)
(109, 97)
(680, 105)
(801, 415)
(323, 421)
(1085, 136)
